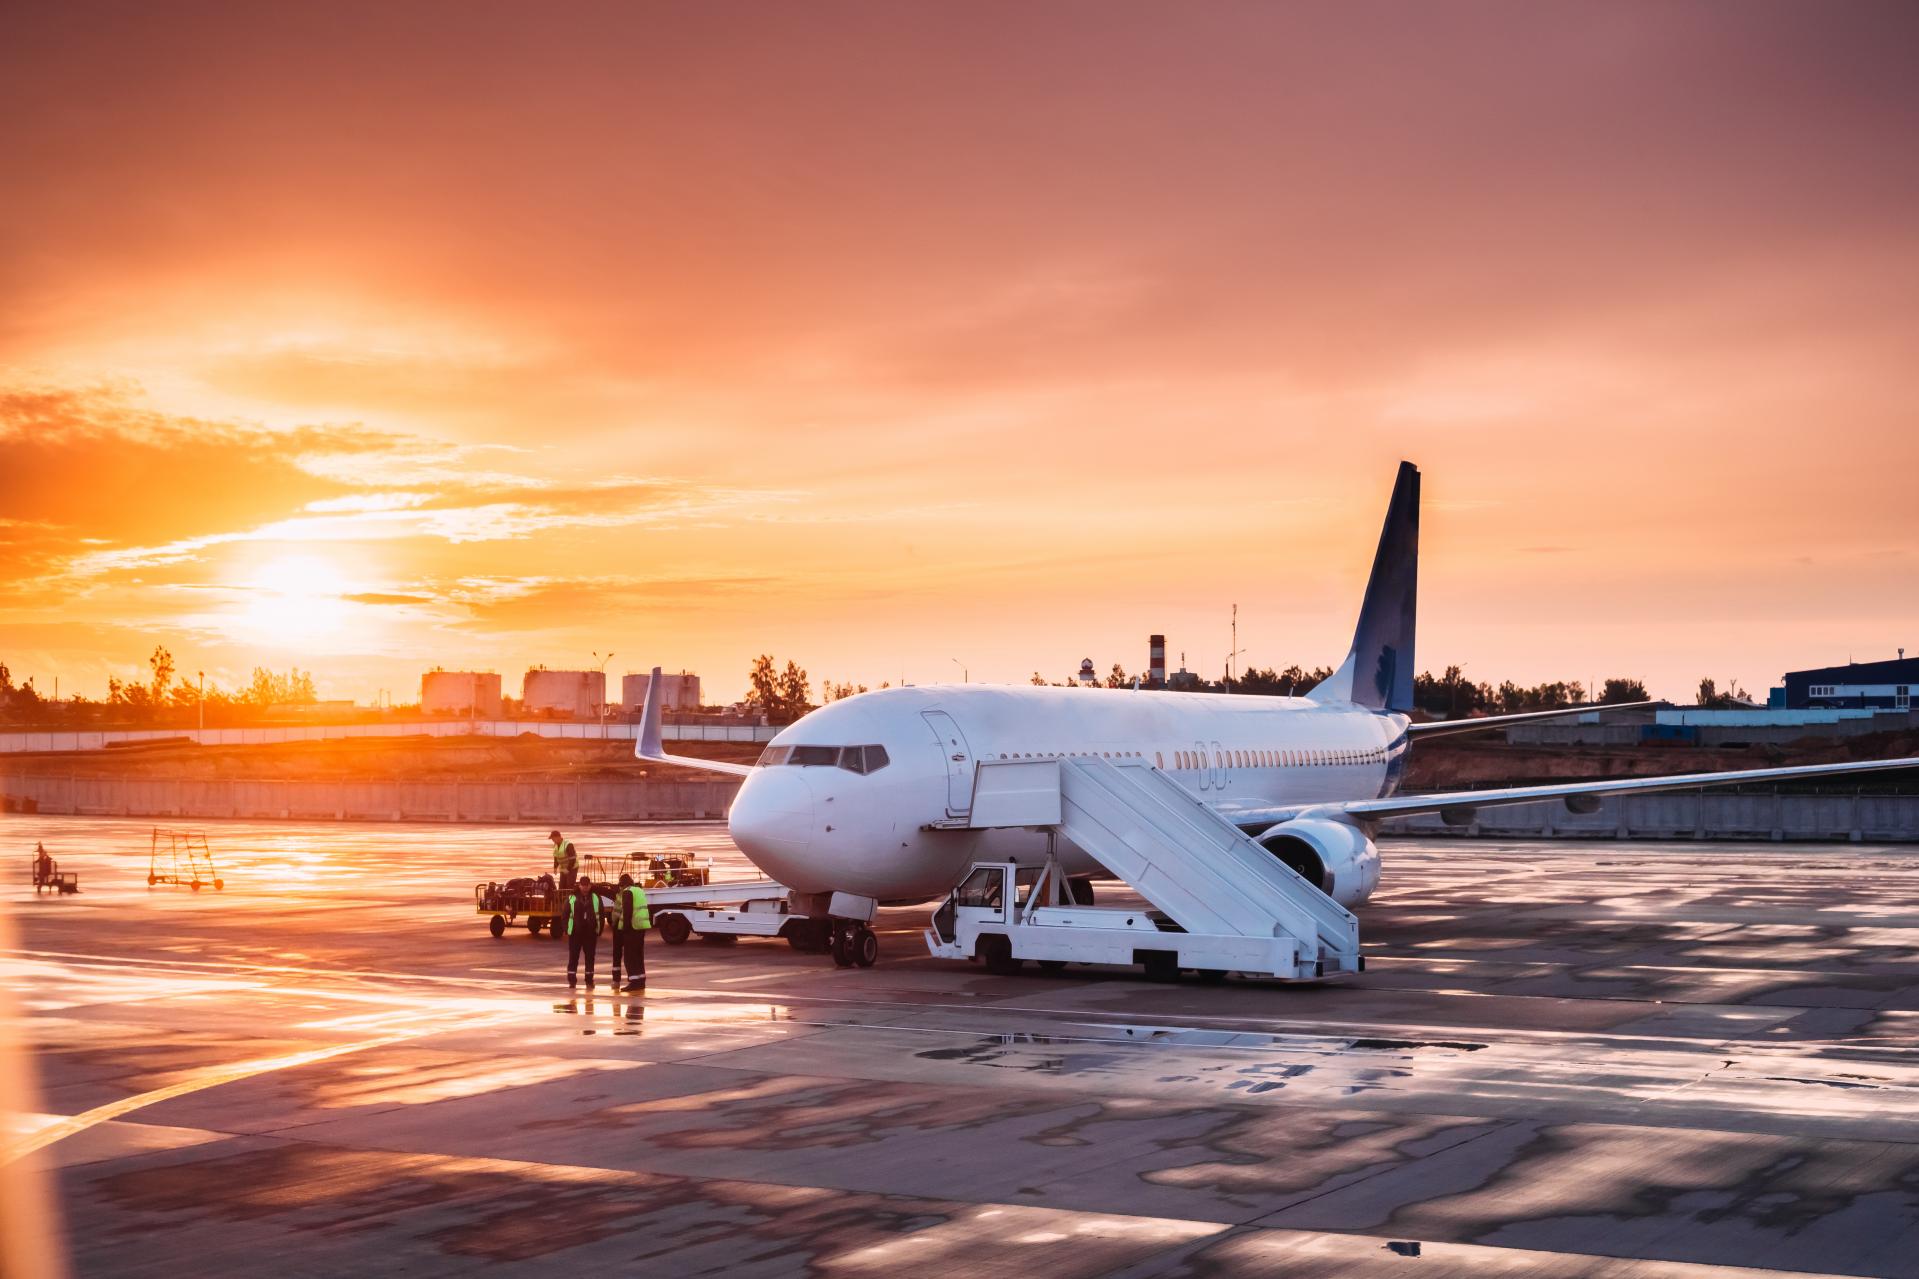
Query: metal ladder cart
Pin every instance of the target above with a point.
(182, 857)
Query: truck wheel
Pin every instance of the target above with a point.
(673, 929)
(866, 947)
(996, 952)
(497, 925)
(557, 927)
(1051, 965)
(719, 939)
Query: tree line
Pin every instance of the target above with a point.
(1448, 695)
(164, 698)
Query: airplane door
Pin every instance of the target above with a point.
(959, 762)
(1219, 767)
(1205, 770)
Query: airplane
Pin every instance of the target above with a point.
(859, 798)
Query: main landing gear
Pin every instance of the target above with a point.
(852, 942)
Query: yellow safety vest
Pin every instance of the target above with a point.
(563, 856)
(571, 899)
(637, 908)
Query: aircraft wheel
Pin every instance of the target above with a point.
(497, 925)
(866, 947)
(842, 947)
(673, 929)
(996, 952)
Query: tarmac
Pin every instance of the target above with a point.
(1563, 1059)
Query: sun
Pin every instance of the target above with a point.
(293, 601)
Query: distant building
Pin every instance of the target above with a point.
(580, 694)
(460, 693)
(1879, 686)
(677, 692)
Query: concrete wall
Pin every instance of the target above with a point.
(447, 801)
(1692, 815)
(96, 739)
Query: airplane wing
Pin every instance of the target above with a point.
(1444, 727)
(651, 748)
(1463, 802)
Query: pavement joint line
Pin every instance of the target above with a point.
(1505, 1034)
(197, 1081)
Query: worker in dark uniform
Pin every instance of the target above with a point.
(42, 866)
(566, 862)
(582, 930)
(631, 919)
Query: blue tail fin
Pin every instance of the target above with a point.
(1378, 672)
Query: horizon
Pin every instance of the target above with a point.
(365, 342)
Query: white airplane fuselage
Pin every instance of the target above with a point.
(822, 827)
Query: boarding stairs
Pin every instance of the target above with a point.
(1204, 874)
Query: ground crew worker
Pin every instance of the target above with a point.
(566, 862)
(631, 919)
(42, 865)
(582, 930)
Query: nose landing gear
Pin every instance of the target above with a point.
(852, 942)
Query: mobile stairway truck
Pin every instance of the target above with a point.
(1219, 902)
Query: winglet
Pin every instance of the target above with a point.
(649, 745)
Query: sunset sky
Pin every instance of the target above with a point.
(370, 338)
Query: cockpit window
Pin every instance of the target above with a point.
(854, 759)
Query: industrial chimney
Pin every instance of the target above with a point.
(1156, 661)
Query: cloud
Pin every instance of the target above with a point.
(383, 597)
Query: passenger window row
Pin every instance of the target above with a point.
(854, 759)
(1194, 761)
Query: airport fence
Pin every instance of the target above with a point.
(574, 801)
(1691, 815)
(44, 740)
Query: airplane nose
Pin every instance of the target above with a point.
(772, 820)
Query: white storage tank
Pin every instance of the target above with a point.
(580, 694)
(460, 693)
(679, 692)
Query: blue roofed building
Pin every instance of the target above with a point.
(1879, 686)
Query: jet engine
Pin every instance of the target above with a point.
(1333, 856)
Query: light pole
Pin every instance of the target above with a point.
(1229, 667)
(201, 702)
(603, 662)
(965, 678)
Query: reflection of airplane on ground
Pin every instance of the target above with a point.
(870, 797)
